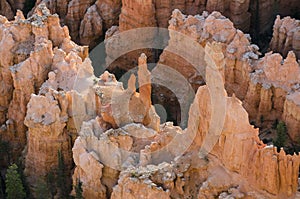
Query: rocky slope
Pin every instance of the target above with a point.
(25, 63)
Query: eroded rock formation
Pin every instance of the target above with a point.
(49, 91)
(152, 167)
(86, 20)
(286, 36)
(39, 68)
(262, 84)
(157, 13)
(25, 63)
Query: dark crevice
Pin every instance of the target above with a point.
(262, 35)
(28, 5)
(166, 104)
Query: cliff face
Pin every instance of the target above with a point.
(8, 8)
(259, 15)
(272, 82)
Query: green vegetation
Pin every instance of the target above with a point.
(275, 123)
(4, 150)
(23, 178)
(262, 119)
(78, 190)
(281, 135)
(61, 177)
(42, 190)
(2, 189)
(50, 179)
(56, 183)
(14, 186)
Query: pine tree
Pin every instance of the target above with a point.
(281, 135)
(1, 188)
(4, 150)
(14, 186)
(61, 177)
(42, 190)
(78, 190)
(51, 183)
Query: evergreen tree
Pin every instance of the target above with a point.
(51, 183)
(281, 135)
(23, 177)
(14, 186)
(61, 177)
(42, 191)
(4, 150)
(2, 188)
(78, 190)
